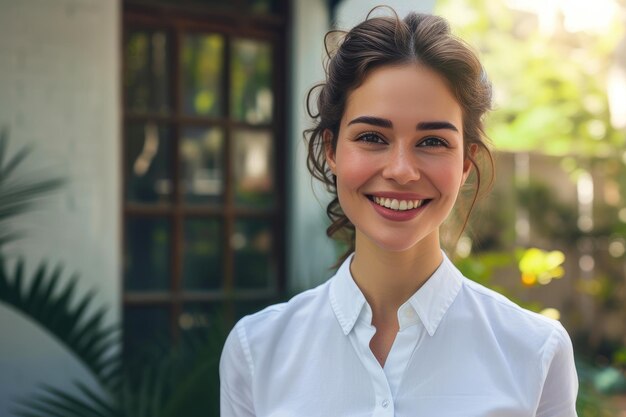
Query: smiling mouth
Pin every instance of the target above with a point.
(397, 205)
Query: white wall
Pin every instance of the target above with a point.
(59, 91)
(309, 252)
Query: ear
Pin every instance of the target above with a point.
(467, 163)
(327, 138)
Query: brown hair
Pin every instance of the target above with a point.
(389, 40)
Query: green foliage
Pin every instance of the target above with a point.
(550, 86)
(482, 267)
(49, 303)
(619, 357)
(594, 383)
(541, 266)
(51, 401)
(172, 381)
(550, 217)
(18, 195)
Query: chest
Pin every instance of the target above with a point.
(423, 376)
(381, 343)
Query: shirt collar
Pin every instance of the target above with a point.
(434, 298)
(430, 302)
(346, 297)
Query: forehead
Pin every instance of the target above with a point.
(410, 92)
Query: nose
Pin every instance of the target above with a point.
(401, 166)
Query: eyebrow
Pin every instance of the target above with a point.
(436, 126)
(386, 123)
(371, 120)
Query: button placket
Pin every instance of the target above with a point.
(384, 399)
(384, 404)
(384, 407)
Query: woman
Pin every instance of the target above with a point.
(398, 331)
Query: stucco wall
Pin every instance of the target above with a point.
(310, 252)
(59, 91)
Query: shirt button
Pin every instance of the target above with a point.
(385, 403)
(409, 313)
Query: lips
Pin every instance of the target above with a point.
(397, 208)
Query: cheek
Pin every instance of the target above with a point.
(353, 169)
(447, 176)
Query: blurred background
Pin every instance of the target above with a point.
(153, 187)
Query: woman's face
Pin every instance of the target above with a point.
(399, 158)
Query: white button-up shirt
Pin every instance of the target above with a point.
(462, 350)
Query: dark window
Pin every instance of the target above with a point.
(203, 141)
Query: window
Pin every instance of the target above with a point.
(203, 141)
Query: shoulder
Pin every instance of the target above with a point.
(511, 324)
(501, 327)
(299, 306)
(284, 320)
(501, 307)
(535, 350)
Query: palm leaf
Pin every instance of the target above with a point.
(53, 402)
(6, 237)
(195, 392)
(7, 167)
(174, 381)
(144, 397)
(50, 304)
(18, 196)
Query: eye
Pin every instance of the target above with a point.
(370, 137)
(433, 141)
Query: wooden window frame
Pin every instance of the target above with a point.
(178, 20)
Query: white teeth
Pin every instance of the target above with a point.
(398, 205)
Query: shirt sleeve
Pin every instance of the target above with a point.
(236, 372)
(558, 397)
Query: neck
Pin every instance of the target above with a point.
(388, 279)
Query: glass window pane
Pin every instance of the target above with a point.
(146, 330)
(202, 262)
(254, 263)
(147, 254)
(202, 71)
(251, 91)
(243, 308)
(253, 163)
(203, 320)
(263, 6)
(146, 72)
(148, 163)
(202, 158)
